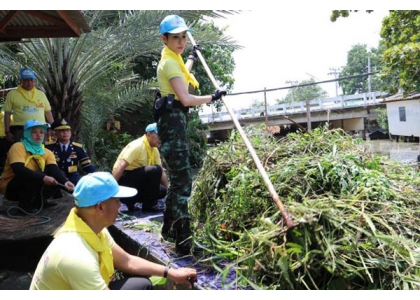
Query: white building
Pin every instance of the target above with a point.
(404, 114)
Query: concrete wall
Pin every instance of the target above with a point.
(354, 124)
(411, 127)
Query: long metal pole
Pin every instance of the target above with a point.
(251, 150)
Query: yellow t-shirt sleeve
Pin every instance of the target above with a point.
(157, 157)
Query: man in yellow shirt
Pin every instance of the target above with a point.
(83, 254)
(26, 103)
(139, 166)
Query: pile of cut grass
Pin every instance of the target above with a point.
(356, 214)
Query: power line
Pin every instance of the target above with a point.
(304, 84)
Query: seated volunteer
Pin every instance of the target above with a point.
(69, 154)
(83, 254)
(139, 166)
(31, 174)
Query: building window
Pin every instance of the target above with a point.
(402, 114)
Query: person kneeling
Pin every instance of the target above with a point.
(31, 174)
(139, 166)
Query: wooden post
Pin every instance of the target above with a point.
(308, 117)
(265, 102)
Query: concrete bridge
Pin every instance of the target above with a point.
(351, 113)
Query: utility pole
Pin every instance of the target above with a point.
(335, 72)
(292, 83)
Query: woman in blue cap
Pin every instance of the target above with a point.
(174, 79)
(31, 174)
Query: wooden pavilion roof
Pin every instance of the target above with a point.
(16, 25)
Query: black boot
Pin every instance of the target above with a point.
(184, 238)
(168, 230)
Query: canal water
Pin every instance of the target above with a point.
(401, 151)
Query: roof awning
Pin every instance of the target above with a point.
(402, 97)
(18, 24)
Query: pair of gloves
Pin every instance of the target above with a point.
(219, 92)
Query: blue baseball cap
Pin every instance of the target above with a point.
(152, 127)
(27, 73)
(173, 24)
(97, 187)
(34, 123)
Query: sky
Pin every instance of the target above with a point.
(293, 45)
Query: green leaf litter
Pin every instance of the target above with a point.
(356, 214)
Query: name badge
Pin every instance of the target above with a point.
(72, 169)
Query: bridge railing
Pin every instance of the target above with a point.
(341, 102)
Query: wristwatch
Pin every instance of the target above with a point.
(165, 273)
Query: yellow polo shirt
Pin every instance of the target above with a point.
(70, 263)
(24, 110)
(135, 153)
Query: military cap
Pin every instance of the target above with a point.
(61, 124)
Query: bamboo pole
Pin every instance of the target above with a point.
(268, 183)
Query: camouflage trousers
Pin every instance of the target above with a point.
(172, 127)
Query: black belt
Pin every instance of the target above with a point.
(165, 104)
(178, 104)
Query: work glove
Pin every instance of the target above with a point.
(193, 55)
(217, 95)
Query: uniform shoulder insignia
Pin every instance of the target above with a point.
(77, 145)
(49, 143)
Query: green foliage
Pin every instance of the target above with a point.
(382, 117)
(108, 146)
(336, 14)
(355, 215)
(339, 13)
(401, 37)
(357, 63)
(308, 91)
